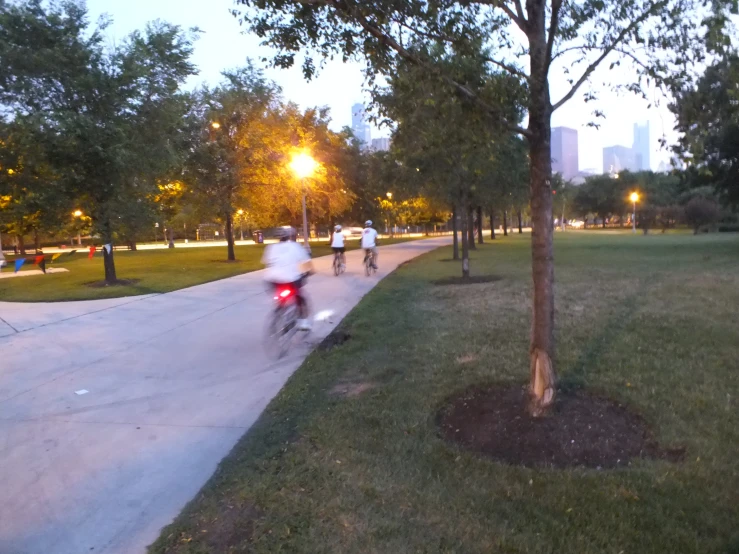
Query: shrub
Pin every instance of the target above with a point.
(700, 212)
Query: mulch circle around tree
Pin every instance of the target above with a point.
(583, 430)
(117, 283)
(471, 280)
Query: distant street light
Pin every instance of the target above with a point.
(215, 125)
(303, 166)
(241, 222)
(634, 198)
(389, 195)
(77, 214)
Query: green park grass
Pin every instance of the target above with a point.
(650, 321)
(150, 272)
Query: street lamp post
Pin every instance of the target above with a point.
(634, 199)
(78, 214)
(303, 166)
(241, 223)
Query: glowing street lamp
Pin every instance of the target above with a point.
(77, 214)
(215, 125)
(389, 195)
(634, 199)
(303, 166)
(241, 222)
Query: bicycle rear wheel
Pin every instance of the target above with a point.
(337, 265)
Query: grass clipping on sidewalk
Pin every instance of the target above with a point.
(348, 457)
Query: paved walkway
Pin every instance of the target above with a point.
(174, 381)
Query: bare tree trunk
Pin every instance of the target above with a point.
(492, 224)
(479, 225)
(471, 229)
(109, 265)
(108, 262)
(230, 237)
(505, 223)
(455, 230)
(22, 244)
(465, 243)
(170, 231)
(36, 241)
(520, 223)
(132, 245)
(543, 378)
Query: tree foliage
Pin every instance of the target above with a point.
(708, 120)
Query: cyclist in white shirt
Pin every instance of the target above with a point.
(369, 241)
(337, 244)
(284, 261)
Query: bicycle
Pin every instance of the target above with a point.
(283, 323)
(370, 267)
(339, 263)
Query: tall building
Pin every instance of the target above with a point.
(564, 152)
(380, 144)
(618, 158)
(642, 146)
(360, 127)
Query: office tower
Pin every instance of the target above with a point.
(642, 146)
(618, 158)
(360, 127)
(564, 152)
(380, 144)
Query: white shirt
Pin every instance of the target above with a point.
(369, 238)
(338, 240)
(283, 260)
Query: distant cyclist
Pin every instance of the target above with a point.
(285, 261)
(369, 241)
(337, 244)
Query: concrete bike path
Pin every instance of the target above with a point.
(173, 381)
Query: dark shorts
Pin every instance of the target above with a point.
(338, 250)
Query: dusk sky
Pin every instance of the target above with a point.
(222, 45)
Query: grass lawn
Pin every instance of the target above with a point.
(348, 458)
(154, 271)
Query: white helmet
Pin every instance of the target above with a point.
(368, 223)
(337, 228)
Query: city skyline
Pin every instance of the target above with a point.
(222, 45)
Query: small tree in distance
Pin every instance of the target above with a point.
(700, 211)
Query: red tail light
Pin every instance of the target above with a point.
(283, 294)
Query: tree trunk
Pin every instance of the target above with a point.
(543, 378)
(230, 237)
(455, 230)
(170, 231)
(603, 222)
(492, 224)
(22, 244)
(108, 261)
(479, 225)
(465, 243)
(109, 265)
(505, 223)
(471, 229)
(36, 241)
(132, 245)
(520, 223)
